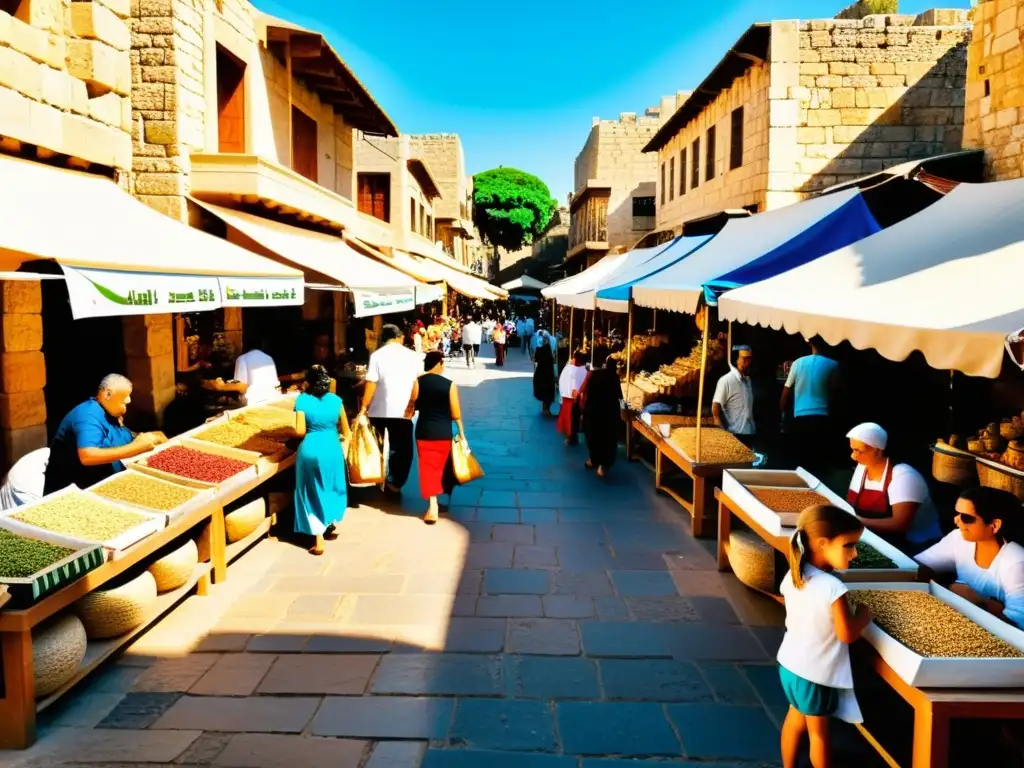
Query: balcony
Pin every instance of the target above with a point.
(588, 227)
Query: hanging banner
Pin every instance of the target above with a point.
(111, 293)
(369, 303)
(261, 291)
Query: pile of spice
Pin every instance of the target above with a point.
(142, 491)
(271, 423)
(929, 627)
(75, 514)
(247, 437)
(868, 557)
(716, 446)
(196, 465)
(786, 500)
(21, 557)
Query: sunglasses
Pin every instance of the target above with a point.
(966, 519)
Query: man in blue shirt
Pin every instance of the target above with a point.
(92, 439)
(810, 386)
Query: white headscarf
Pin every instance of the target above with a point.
(870, 434)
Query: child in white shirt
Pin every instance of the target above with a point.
(814, 658)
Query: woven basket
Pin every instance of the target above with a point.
(996, 478)
(174, 569)
(1010, 431)
(113, 612)
(752, 560)
(58, 648)
(952, 466)
(245, 520)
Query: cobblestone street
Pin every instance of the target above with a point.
(552, 620)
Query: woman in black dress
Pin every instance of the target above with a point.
(544, 376)
(601, 395)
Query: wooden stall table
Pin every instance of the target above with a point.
(703, 477)
(935, 708)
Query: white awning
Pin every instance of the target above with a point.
(740, 242)
(587, 298)
(376, 288)
(614, 292)
(524, 283)
(946, 282)
(433, 271)
(584, 281)
(121, 257)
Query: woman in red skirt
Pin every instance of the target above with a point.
(569, 385)
(437, 400)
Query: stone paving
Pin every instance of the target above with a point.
(552, 619)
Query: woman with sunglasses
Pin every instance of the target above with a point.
(988, 564)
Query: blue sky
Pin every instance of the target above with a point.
(521, 81)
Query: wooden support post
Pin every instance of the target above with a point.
(572, 348)
(700, 387)
(18, 706)
(593, 328)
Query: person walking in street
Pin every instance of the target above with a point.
(733, 403)
(498, 338)
(528, 330)
(600, 395)
(570, 382)
(437, 400)
(544, 378)
(390, 377)
(472, 335)
(321, 494)
(810, 387)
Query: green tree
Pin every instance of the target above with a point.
(510, 207)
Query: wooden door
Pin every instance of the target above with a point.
(305, 155)
(230, 103)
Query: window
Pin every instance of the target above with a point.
(682, 172)
(305, 154)
(695, 164)
(412, 214)
(662, 184)
(423, 222)
(375, 195)
(709, 174)
(230, 102)
(671, 178)
(736, 140)
(643, 213)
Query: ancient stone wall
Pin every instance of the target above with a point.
(994, 119)
(65, 80)
(443, 153)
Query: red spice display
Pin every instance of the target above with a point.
(196, 465)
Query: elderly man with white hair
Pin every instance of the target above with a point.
(891, 499)
(92, 439)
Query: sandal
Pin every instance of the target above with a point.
(331, 534)
(316, 550)
(431, 517)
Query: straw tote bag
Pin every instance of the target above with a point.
(464, 464)
(364, 459)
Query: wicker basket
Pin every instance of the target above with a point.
(953, 466)
(58, 648)
(1010, 431)
(1005, 480)
(244, 520)
(111, 613)
(174, 569)
(752, 560)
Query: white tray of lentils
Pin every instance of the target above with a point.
(153, 495)
(933, 638)
(79, 516)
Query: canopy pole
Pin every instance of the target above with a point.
(728, 354)
(572, 349)
(654, 322)
(444, 300)
(700, 386)
(629, 342)
(593, 325)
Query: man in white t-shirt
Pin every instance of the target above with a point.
(390, 376)
(256, 369)
(472, 335)
(733, 403)
(26, 480)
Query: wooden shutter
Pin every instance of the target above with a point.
(305, 154)
(230, 103)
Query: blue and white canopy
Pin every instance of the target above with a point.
(757, 248)
(614, 293)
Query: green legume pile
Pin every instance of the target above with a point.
(75, 514)
(869, 557)
(142, 491)
(21, 557)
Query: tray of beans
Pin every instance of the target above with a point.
(198, 464)
(933, 638)
(132, 488)
(32, 568)
(246, 437)
(272, 423)
(81, 519)
(717, 446)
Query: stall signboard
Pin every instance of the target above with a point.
(110, 293)
(262, 291)
(369, 303)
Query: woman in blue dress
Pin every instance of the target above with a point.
(321, 496)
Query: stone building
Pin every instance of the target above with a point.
(443, 152)
(994, 118)
(65, 82)
(613, 204)
(399, 189)
(797, 106)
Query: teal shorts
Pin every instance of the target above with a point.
(807, 698)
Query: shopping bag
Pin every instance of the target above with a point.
(364, 458)
(464, 464)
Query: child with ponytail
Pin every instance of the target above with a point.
(814, 660)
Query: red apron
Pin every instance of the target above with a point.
(872, 505)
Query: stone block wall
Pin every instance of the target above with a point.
(443, 153)
(65, 80)
(994, 119)
(22, 370)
